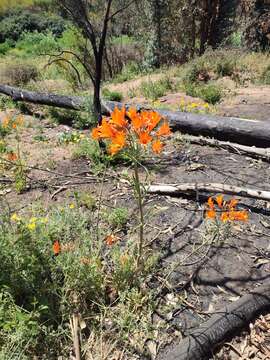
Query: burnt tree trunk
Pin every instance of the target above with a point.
(242, 131)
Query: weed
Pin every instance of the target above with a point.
(70, 137)
(79, 119)
(20, 73)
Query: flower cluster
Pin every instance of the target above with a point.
(33, 222)
(227, 210)
(126, 128)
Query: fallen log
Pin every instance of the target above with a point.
(241, 131)
(194, 188)
(201, 343)
(252, 151)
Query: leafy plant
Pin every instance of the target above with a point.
(154, 90)
(118, 218)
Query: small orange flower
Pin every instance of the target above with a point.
(239, 215)
(6, 121)
(211, 203)
(157, 146)
(211, 214)
(225, 216)
(144, 138)
(106, 130)
(56, 248)
(232, 204)
(219, 200)
(111, 239)
(152, 119)
(95, 133)
(12, 156)
(164, 130)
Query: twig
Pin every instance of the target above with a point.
(75, 330)
(261, 153)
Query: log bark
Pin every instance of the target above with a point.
(241, 131)
(252, 151)
(194, 188)
(202, 341)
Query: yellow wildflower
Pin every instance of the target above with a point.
(15, 218)
(71, 206)
(31, 226)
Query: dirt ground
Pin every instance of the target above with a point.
(202, 274)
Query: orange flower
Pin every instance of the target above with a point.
(164, 130)
(6, 121)
(211, 214)
(210, 203)
(239, 215)
(111, 240)
(56, 248)
(12, 156)
(225, 216)
(152, 118)
(219, 200)
(232, 204)
(144, 137)
(157, 146)
(95, 133)
(106, 130)
(118, 117)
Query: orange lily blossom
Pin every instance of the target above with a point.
(219, 200)
(157, 146)
(210, 203)
(122, 132)
(164, 130)
(144, 138)
(211, 214)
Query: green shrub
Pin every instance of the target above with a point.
(198, 71)
(225, 67)
(210, 93)
(112, 95)
(154, 90)
(118, 218)
(6, 46)
(18, 21)
(37, 43)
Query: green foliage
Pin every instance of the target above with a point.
(118, 218)
(39, 291)
(112, 95)
(154, 90)
(79, 119)
(236, 39)
(17, 22)
(34, 43)
(6, 46)
(210, 93)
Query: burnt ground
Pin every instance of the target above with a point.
(198, 274)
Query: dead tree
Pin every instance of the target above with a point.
(80, 13)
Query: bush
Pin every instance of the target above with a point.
(154, 90)
(17, 22)
(37, 43)
(112, 95)
(20, 73)
(6, 46)
(209, 93)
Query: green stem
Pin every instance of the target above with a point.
(138, 192)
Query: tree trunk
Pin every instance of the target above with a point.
(201, 343)
(242, 131)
